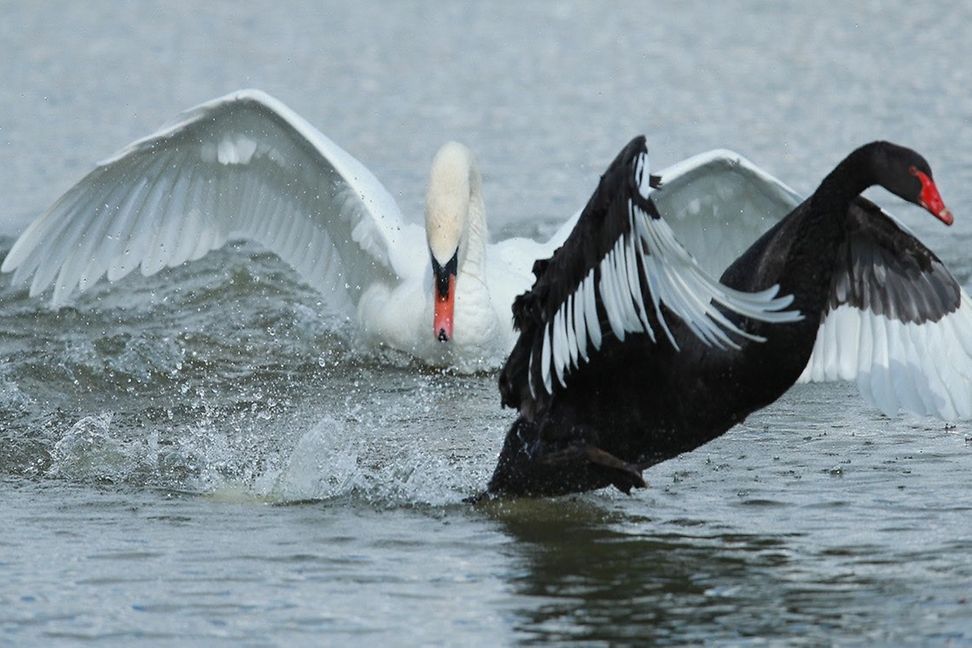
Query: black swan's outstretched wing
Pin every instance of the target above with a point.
(897, 322)
(621, 271)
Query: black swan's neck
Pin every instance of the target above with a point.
(799, 254)
(818, 235)
(842, 185)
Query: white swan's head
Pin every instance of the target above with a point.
(452, 183)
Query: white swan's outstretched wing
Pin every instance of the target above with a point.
(241, 166)
(718, 203)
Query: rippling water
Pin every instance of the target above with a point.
(208, 454)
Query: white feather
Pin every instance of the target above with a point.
(591, 320)
(545, 360)
(580, 328)
(923, 368)
(560, 353)
(572, 342)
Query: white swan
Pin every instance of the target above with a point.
(245, 166)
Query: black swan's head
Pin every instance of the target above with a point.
(907, 174)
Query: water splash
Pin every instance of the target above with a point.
(89, 451)
(334, 460)
(228, 373)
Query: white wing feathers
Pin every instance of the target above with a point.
(648, 260)
(718, 203)
(241, 166)
(924, 368)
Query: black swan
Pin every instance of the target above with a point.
(622, 362)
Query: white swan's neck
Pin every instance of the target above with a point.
(455, 214)
(473, 258)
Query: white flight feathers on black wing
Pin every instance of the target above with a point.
(625, 287)
(897, 323)
(241, 166)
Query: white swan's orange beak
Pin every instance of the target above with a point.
(444, 296)
(445, 305)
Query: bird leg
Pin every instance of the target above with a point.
(556, 460)
(622, 475)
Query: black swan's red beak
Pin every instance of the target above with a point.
(931, 200)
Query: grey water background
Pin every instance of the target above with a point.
(207, 456)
